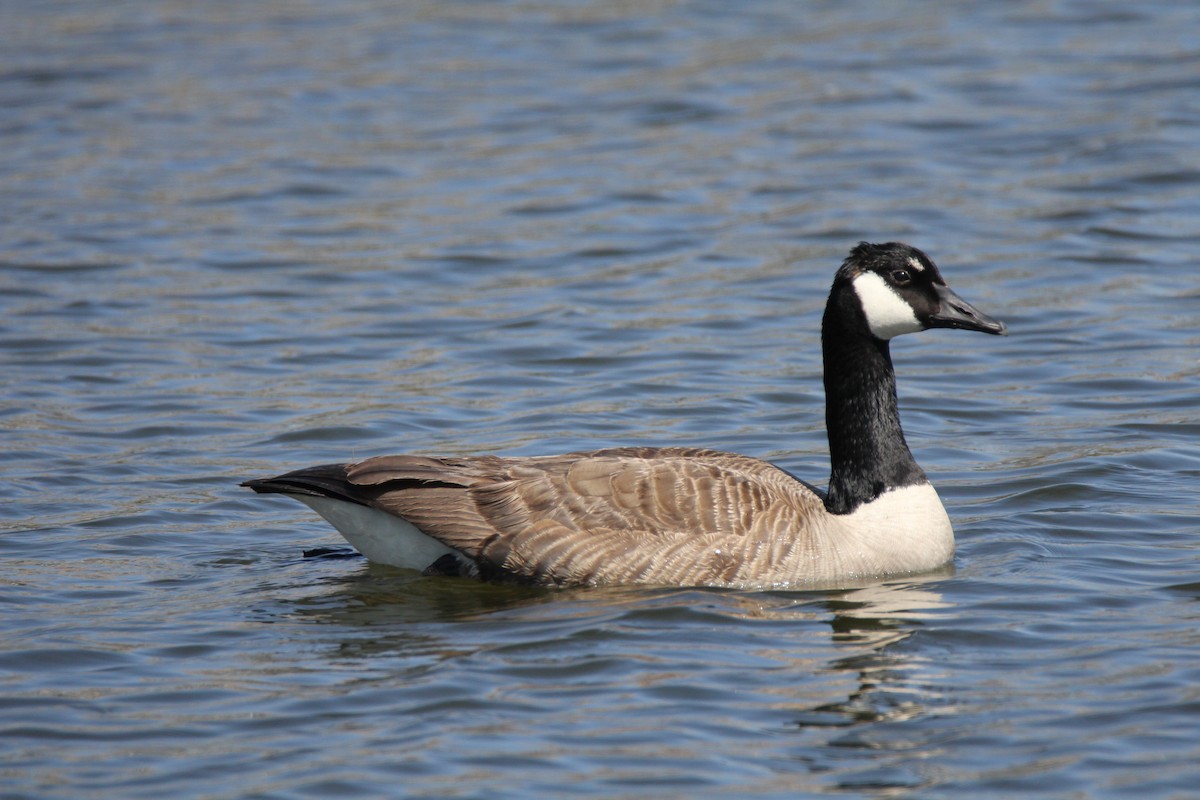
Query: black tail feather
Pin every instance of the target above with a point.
(327, 480)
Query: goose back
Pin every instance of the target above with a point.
(623, 515)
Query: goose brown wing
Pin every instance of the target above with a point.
(627, 514)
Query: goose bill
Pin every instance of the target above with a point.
(954, 312)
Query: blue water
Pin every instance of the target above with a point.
(237, 239)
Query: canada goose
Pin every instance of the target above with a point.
(680, 516)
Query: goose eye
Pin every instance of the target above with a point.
(901, 277)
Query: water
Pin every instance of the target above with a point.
(242, 238)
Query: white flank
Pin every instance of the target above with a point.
(379, 536)
(888, 315)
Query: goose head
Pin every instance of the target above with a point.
(899, 290)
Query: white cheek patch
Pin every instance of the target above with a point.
(887, 313)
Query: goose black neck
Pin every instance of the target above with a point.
(866, 444)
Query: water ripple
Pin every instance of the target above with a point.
(234, 243)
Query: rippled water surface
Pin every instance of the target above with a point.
(242, 238)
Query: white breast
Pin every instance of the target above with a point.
(902, 530)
